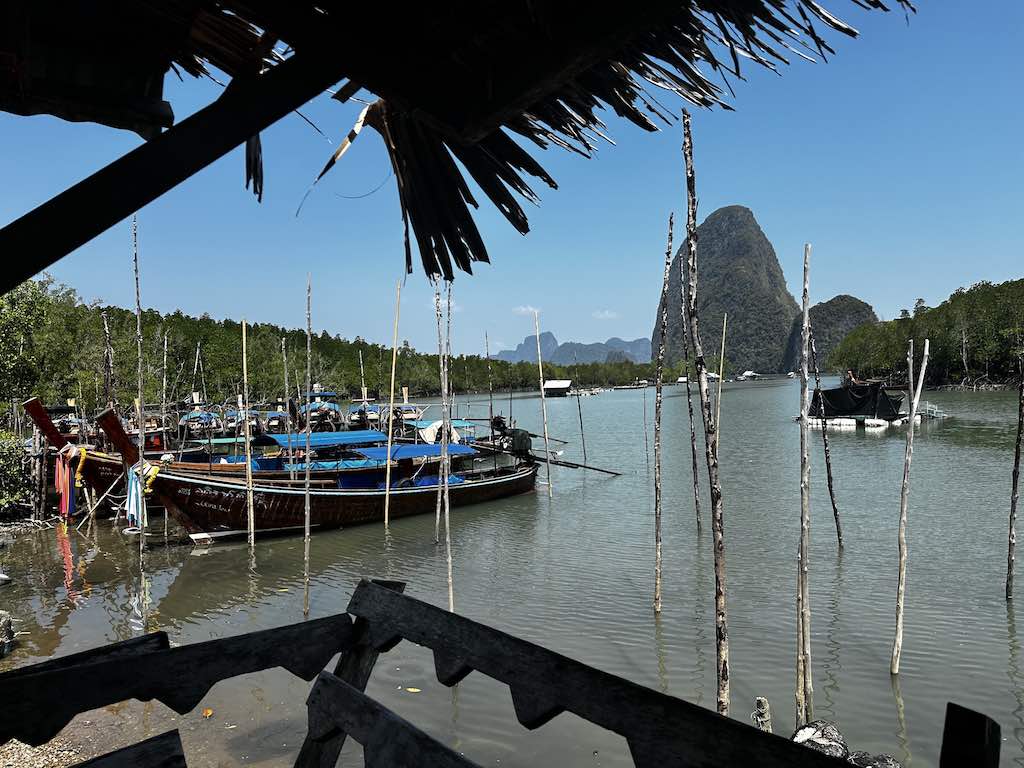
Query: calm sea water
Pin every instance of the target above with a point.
(575, 573)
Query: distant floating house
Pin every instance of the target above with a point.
(557, 387)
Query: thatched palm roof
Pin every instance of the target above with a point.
(461, 80)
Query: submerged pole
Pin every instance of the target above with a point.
(804, 684)
(824, 440)
(139, 403)
(391, 406)
(710, 428)
(901, 588)
(1015, 485)
(659, 370)
(305, 486)
(543, 399)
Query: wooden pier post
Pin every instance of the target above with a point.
(901, 588)
(163, 416)
(490, 396)
(824, 440)
(443, 438)
(689, 393)
(804, 684)
(543, 400)
(391, 406)
(305, 487)
(1015, 485)
(108, 361)
(659, 370)
(35, 462)
(446, 459)
(243, 406)
(139, 401)
(721, 378)
(710, 428)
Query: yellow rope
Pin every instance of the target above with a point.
(81, 463)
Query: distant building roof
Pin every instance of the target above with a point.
(557, 383)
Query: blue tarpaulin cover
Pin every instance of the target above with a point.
(325, 439)
(416, 451)
(456, 423)
(321, 407)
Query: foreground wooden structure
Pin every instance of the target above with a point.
(659, 729)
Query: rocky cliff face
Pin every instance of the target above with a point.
(738, 273)
(830, 322)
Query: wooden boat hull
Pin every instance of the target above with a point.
(209, 508)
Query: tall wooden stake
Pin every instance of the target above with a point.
(1015, 485)
(647, 445)
(490, 395)
(195, 369)
(689, 392)
(250, 506)
(543, 401)
(579, 405)
(901, 588)
(446, 459)
(362, 377)
(804, 685)
(391, 407)
(710, 427)
(443, 438)
(305, 487)
(721, 375)
(824, 440)
(139, 402)
(163, 416)
(108, 361)
(659, 370)
(288, 413)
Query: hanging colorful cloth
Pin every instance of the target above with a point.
(133, 504)
(64, 484)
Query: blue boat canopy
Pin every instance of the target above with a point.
(325, 393)
(416, 451)
(324, 439)
(456, 423)
(354, 408)
(204, 416)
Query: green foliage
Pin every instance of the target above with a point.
(60, 342)
(975, 337)
(14, 479)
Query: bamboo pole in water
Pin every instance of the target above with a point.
(362, 377)
(762, 714)
(901, 588)
(1015, 486)
(579, 404)
(721, 375)
(490, 395)
(689, 393)
(391, 407)
(139, 402)
(543, 399)
(163, 414)
(250, 507)
(446, 461)
(659, 370)
(108, 361)
(647, 447)
(804, 683)
(824, 440)
(305, 487)
(442, 438)
(288, 413)
(710, 429)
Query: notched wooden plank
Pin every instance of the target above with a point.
(533, 709)
(450, 668)
(156, 641)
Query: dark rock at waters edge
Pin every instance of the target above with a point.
(830, 321)
(822, 736)
(867, 760)
(738, 273)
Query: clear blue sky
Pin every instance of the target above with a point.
(900, 159)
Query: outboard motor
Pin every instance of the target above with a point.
(522, 444)
(499, 426)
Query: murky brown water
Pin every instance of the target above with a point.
(575, 574)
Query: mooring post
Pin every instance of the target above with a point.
(1015, 483)
(544, 404)
(659, 371)
(391, 407)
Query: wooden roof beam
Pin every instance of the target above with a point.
(41, 237)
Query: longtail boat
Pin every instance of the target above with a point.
(210, 508)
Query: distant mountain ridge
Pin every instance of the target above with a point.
(637, 350)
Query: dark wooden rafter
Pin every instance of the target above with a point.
(41, 237)
(163, 751)
(177, 677)
(388, 740)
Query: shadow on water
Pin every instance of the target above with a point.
(1014, 673)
